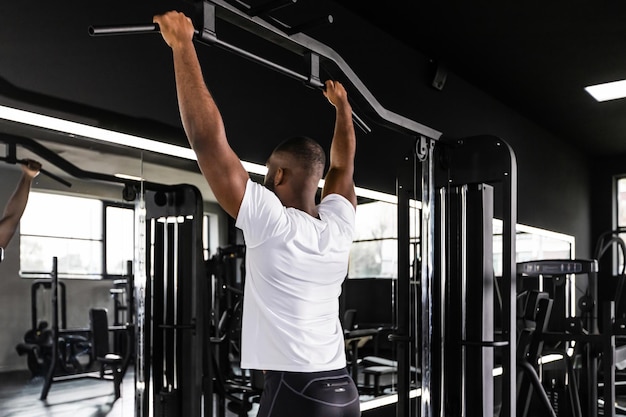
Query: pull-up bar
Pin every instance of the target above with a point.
(285, 37)
(12, 159)
(209, 38)
(66, 166)
(203, 37)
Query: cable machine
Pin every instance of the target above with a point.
(464, 185)
(454, 194)
(170, 291)
(464, 195)
(257, 21)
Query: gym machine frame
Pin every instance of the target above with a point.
(590, 342)
(457, 276)
(290, 38)
(316, 53)
(170, 293)
(60, 331)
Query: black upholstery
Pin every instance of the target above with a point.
(101, 349)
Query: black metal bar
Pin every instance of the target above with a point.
(313, 23)
(158, 360)
(43, 171)
(122, 29)
(402, 335)
(608, 359)
(33, 304)
(11, 153)
(209, 38)
(55, 330)
(508, 177)
(485, 343)
(424, 149)
(477, 301)
(533, 379)
(270, 6)
(301, 44)
(70, 168)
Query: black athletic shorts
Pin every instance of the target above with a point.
(309, 394)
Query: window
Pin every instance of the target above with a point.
(90, 238)
(374, 252)
(531, 244)
(120, 232)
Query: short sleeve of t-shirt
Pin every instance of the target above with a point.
(261, 214)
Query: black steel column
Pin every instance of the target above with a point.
(402, 334)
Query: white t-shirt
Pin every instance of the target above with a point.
(295, 265)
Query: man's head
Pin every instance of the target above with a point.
(298, 161)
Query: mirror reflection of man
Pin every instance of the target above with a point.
(14, 208)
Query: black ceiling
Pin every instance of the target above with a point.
(535, 56)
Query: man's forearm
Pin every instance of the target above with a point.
(343, 147)
(14, 210)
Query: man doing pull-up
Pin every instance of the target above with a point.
(296, 250)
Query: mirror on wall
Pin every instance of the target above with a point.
(367, 301)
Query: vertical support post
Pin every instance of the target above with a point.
(509, 280)
(477, 311)
(208, 20)
(425, 153)
(401, 336)
(54, 290)
(142, 370)
(608, 358)
(313, 60)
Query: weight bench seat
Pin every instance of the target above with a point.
(378, 361)
(377, 372)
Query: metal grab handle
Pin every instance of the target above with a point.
(211, 39)
(42, 171)
(123, 29)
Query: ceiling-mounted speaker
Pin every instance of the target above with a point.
(440, 75)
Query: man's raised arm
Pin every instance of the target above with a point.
(200, 116)
(339, 178)
(17, 203)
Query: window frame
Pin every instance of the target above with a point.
(104, 274)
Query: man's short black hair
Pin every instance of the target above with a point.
(307, 151)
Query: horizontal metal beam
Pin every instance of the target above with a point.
(298, 43)
(303, 44)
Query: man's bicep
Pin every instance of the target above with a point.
(340, 182)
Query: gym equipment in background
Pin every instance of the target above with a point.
(73, 346)
(61, 338)
(586, 353)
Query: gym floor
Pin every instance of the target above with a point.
(83, 397)
(79, 397)
(92, 397)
